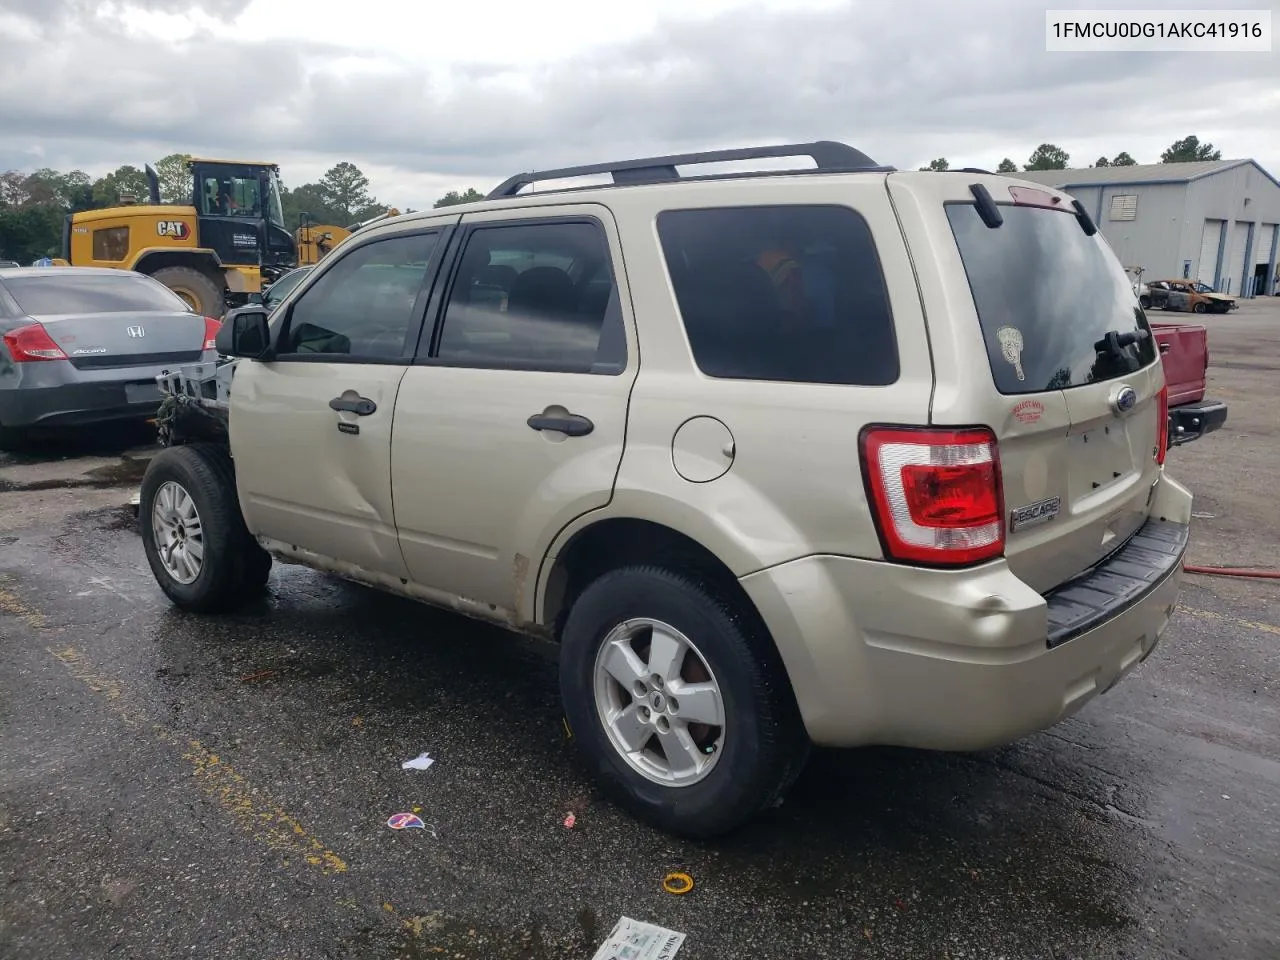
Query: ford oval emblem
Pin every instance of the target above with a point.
(1125, 399)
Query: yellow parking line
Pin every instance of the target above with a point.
(268, 822)
(15, 606)
(1224, 618)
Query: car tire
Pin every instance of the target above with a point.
(201, 292)
(197, 482)
(761, 745)
(1199, 308)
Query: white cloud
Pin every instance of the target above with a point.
(427, 97)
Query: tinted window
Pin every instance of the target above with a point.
(1046, 294)
(781, 293)
(363, 305)
(535, 296)
(57, 293)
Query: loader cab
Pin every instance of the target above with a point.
(241, 217)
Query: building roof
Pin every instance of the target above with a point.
(1140, 173)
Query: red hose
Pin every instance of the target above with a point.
(1249, 572)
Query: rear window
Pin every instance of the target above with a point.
(1046, 294)
(55, 294)
(790, 293)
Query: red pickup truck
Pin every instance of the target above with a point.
(1184, 350)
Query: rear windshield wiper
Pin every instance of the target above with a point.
(1114, 342)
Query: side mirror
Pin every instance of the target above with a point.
(244, 333)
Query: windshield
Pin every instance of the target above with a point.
(56, 295)
(283, 287)
(275, 211)
(1046, 294)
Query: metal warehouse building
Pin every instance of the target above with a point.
(1217, 221)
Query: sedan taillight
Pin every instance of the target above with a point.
(32, 344)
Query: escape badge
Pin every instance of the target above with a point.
(1011, 347)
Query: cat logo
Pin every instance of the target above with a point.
(177, 229)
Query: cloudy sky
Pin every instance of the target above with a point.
(431, 95)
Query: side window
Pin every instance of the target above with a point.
(363, 305)
(111, 244)
(535, 296)
(790, 293)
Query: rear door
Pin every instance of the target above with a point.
(511, 422)
(311, 429)
(1041, 339)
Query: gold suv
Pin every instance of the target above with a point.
(836, 455)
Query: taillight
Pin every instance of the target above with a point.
(31, 344)
(211, 328)
(1162, 428)
(936, 493)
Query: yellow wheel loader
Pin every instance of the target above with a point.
(216, 252)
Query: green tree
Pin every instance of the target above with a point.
(310, 200)
(1102, 162)
(454, 197)
(346, 192)
(127, 180)
(938, 165)
(175, 178)
(1047, 156)
(1122, 159)
(1188, 150)
(1007, 166)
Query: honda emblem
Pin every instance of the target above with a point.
(136, 332)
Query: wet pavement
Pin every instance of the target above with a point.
(177, 786)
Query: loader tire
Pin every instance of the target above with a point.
(201, 291)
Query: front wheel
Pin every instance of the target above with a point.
(193, 534)
(680, 705)
(1199, 308)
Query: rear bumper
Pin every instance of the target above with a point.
(1193, 420)
(958, 660)
(78, 403)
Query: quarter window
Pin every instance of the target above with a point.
(791, 293)
(363, 305)
(537, 296)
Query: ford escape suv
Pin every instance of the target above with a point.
(837, 455)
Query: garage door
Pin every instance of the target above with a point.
(1233, 262)
(1262, 245)
(1208, 262)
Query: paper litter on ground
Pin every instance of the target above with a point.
(420, 762)
(636, 940)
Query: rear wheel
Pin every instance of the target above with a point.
(680, 705)
(193, 534)
(200, 291)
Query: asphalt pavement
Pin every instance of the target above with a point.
(179, 786)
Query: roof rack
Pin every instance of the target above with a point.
(828, 156)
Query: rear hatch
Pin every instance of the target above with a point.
(1046, 345)
(103, 321)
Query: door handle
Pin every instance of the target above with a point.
(1165, 348)
(360, 406)
(570, 424)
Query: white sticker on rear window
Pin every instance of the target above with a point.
(1011, 345)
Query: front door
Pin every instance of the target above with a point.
(511, 424)
(311, 430)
